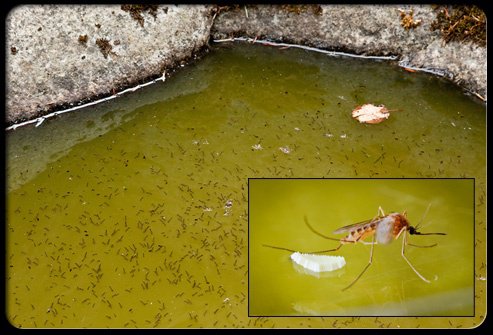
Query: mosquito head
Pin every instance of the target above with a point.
(414, 231)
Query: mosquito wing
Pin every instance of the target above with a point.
(357, 225)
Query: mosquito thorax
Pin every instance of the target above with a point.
(385, 228)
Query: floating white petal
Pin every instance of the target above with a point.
(318, 263)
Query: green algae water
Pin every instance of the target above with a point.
(389, 287)
(134, 213)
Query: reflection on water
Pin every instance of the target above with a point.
(134, 213)
(449, 303)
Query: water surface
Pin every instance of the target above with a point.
(134, 213)
(278, 287)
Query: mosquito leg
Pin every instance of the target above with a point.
(422, 246)
(323, 251)
(367, 243)
(366, 267)
(304, 252)
(414, 245)
(317, 233)
(380, 211)
(380, 214)
(279, 248)
(312, 252)
(404, 240)
(403, 229)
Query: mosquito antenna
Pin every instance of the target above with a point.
(423, 217)
(319, 234)
(414, 230)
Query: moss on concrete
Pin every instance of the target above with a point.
(136, 11)
(105, 47)
(461, 23)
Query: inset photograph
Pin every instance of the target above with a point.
(361, 247)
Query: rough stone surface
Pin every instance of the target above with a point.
(362, 29)
(50, 67)
(48, 64)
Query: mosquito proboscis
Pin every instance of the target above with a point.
(383, 229)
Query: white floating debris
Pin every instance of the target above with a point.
(343, 136)
(207, 209)
(328, 135)
(318, 263)
(285, 149)
(228, 207)
(257, 147)
(372, 114)
(297, 129)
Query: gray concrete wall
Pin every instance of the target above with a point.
(364, 29)
(47, 67)
(51, 67)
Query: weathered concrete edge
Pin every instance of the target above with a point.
(381, 35)
(366, 30)
(61, 56)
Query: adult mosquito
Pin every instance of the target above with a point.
(382, 228)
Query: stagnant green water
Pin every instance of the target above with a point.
(134, 213)
(389, 287)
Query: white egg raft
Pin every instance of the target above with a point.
(318, 263)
